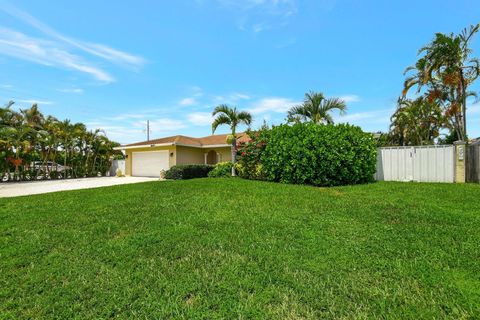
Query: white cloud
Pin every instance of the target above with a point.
(188, 102)
(196, 91)
(57, 50)
(128, 116)
(374, 117)
(272, 7)
(143, 113)
(239, 96)
(109, 54)
(32, 101)
(273, 104)
(258, 15)
(162, 125)
(71, 90)
(132, 130)
(350, 98)
(232, 98)
(19, 45)
(119, 133)
(259, 27)
(6, 86)
(99, 50)
(200, 118)
(289, 42)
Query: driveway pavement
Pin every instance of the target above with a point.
(15, 189)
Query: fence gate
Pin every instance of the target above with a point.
(422, 164)
(473, 163)
(117, 164)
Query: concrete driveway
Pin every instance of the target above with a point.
(15, 189)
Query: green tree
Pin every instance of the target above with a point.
(28, 137)
(417, 122)
(447, 70)
(316, 108)
(226, 115)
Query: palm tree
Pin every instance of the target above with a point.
(6, 114)
(28, 137)
(417, 122)
(32, 116)
(20, 140)
(316, 109)
(48, 143)
(232, 117)
(447, 71)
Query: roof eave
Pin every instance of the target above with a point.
(145, 146)
(172, 144)
(216, 145)
(202, 146)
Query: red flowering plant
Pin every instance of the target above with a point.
(249, 155)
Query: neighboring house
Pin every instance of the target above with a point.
(148, 158)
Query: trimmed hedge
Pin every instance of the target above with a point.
(189, 171)
(221, 170)
(307, 153)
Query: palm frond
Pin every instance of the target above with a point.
(335, 104)
(244, 117)
(223, 108)
(219, 120)
(328, 119)
(296, 114)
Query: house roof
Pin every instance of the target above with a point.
(204, 142)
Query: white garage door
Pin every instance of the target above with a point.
(149, 164)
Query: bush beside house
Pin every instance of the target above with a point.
(221, 170)
(190, 171)
(307, 153)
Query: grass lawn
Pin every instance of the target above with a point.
(231, 248)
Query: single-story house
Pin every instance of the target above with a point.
(149, 158)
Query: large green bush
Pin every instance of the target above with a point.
(320, 155)
(189, 171)
(221, 170)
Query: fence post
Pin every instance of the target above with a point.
(460, 155)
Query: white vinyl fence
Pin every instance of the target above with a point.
(422, 164)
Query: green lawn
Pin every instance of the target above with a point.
(231, 248)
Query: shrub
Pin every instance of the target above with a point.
(221, 170)
(249, 164)
(320, 155)
(189, 171)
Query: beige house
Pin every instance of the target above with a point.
(149, 158)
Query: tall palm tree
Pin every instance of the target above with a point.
(6, 114)
(316, 108)
(232, 117)
(20, 140)
(417, 122)
(32, 116)
(447, 71)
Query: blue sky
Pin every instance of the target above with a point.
(115, 64)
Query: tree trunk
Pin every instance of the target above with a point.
(234, 155)
(464, 105)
